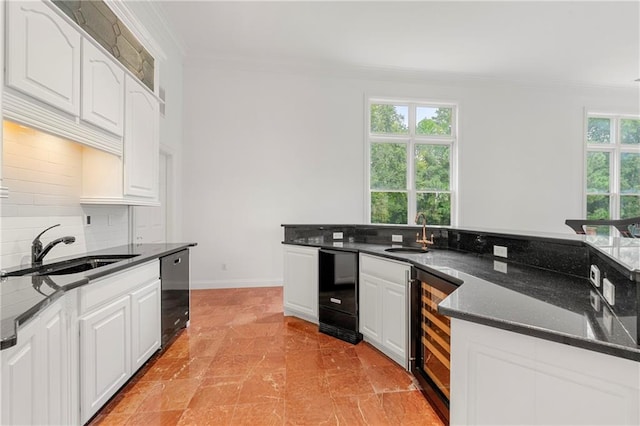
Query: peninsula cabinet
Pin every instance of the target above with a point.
(301, 282)
(119, 331)
(502, 377)
(384, 306)
(35, 372)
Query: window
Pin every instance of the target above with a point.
(411, 151)
(612, 187)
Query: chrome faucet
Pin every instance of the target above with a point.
(38, 253)
(424, 240)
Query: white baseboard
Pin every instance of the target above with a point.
(211, 284)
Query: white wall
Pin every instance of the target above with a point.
(264, 148)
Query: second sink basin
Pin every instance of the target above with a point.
(409, 250)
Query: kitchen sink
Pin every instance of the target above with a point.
(410, 250)
(70, 266)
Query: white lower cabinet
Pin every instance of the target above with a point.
(501, 377)
(105, 354)
(119, 331)
(301, 282)
(35, 372)
(384, 306)
(145, 327)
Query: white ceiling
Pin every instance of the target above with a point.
(594, 43)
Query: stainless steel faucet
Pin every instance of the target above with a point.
(38, 253)
(424, 240)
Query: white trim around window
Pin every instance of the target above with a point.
(409, 109)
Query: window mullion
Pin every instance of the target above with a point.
(411, 187)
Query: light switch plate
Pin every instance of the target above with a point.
(396, 238)
(609, 291)
(338, 244)
(337, 235)
(594, 275)
(500, 251)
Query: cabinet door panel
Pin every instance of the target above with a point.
(43, 55)
(145, 323)
(370, 316)
(20, 369)
(394, 312)
(102, 90)
(54, 345)
(301, 281)
(141, 149)
(105, 353)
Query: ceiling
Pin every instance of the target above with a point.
(592, 43)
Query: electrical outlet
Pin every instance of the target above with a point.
(396, 238)
(609, 291)
(594, 275)
(500, 251)
(337, 235)
(338, 244)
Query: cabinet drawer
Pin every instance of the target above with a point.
(103, 290)
(389, 270)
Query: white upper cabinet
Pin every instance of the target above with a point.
(102, 90)
(141, 146)
(43, 55)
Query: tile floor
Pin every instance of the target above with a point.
(242, 362)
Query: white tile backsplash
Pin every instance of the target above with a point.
(43, 174)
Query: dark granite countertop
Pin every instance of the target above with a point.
(21, 298)
(519, 298)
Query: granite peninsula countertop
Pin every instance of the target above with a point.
(523, 299)
(21, 298)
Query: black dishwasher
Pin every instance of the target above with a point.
(174, 275)
(338, 294)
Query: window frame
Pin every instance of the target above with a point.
(615, 148)
(411, 140)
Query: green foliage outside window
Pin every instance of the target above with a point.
(388, 119)
(388, 165)
(597, 171)
(597, 207)
(389, 207)
(438, 124)
(598, 130)
(437, 207)
(432, 167)
(630, 131)
(629, 206)
(601, 193)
